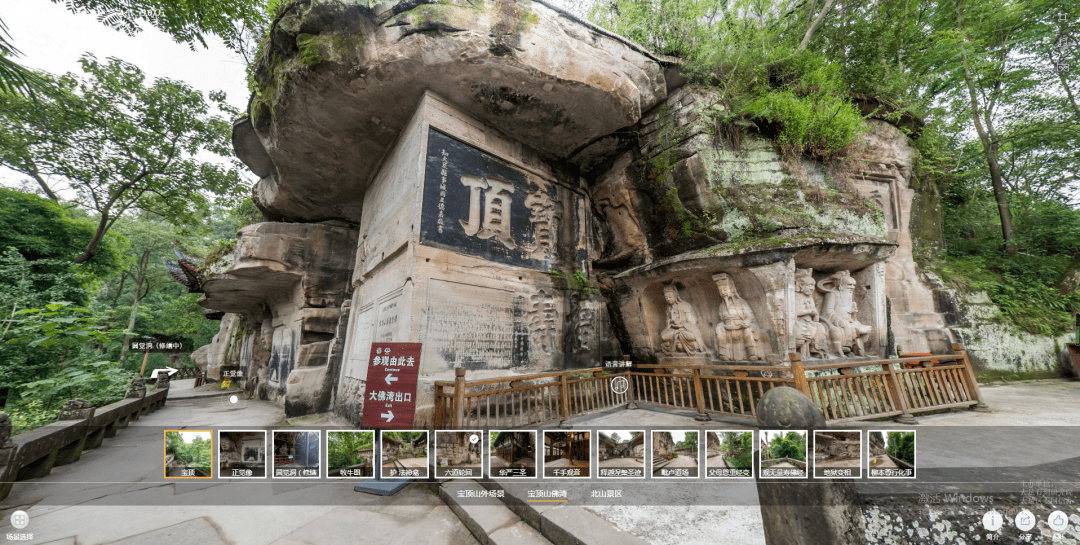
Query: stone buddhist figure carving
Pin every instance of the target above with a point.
(737, 336)
(847, 336)
(811, 336)
(680, 334)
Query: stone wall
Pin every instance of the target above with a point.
(479, 294)
(464, 175)
(691, 207)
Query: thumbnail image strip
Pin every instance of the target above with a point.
(675, 454)
(296, 454)
(512, 454)
(404, 454)
(242, 454)
(891, 454)
(458, 454)
(189, 454)
(783, 454)
(350, 453)
(837, 454)
(729, 454)
(620, 454)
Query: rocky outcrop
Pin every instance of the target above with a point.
(466, 175)
(339, 75)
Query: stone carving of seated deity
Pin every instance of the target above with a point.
(737, 336)
(680, 333)
(811, 335)
(847, 336)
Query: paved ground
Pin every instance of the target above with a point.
(116, 493)
(621, 462)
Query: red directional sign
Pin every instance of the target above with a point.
(390, 398)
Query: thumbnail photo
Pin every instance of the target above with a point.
(567, 454)
(729, 454)
(242, 454)
(404, 454)
(458, 454)
(512, 454)
(350, 453)
(296, 454)
(621, 453)
(189, 454)
(838, 454)
(783, 454)
(892, 454)
(675, 454)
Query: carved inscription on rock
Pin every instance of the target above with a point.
(474, 327)
(479, 205)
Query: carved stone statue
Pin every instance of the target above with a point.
(737, 336)
(811, 335)
(846, 335)
(76, 409)
(136, 390)
(680, 333)
(230, 452)
(5, 431)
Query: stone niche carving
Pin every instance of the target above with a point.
(737, 335)
(847, 336)
(811, 335)
(680, 334)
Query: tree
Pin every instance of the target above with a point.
(15, 79)
(122, 145)
(186, 22)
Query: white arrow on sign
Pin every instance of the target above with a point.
(170, 370)
(390, 379)
(388, 415)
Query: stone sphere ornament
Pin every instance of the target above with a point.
(787, 408)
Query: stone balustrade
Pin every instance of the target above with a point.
(33, 454)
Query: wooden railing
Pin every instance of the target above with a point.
(524, 400)
(876, 389)
(844, 391)
(719, 389)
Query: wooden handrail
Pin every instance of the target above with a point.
(715, 367)
(716, 389)
(870, 363)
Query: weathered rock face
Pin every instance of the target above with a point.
(340, 76)
(497, 160)
(289, 281)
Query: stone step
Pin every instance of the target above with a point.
(561, 523)
(659, 462)
(489, 519)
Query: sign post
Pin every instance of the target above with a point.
(389, 403)
(390, 397)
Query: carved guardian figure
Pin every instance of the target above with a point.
(847, 336)
(680, 333)
(811, 336)
(737, 336)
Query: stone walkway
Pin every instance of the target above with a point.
(116, 494)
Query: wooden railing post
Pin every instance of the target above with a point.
(631, 398)
(459, 398)
(969, 376)
(798, 373)
(898, 396)
(564, 402)
(699, 397)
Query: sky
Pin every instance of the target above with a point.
(53, 39)
(190, 436)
